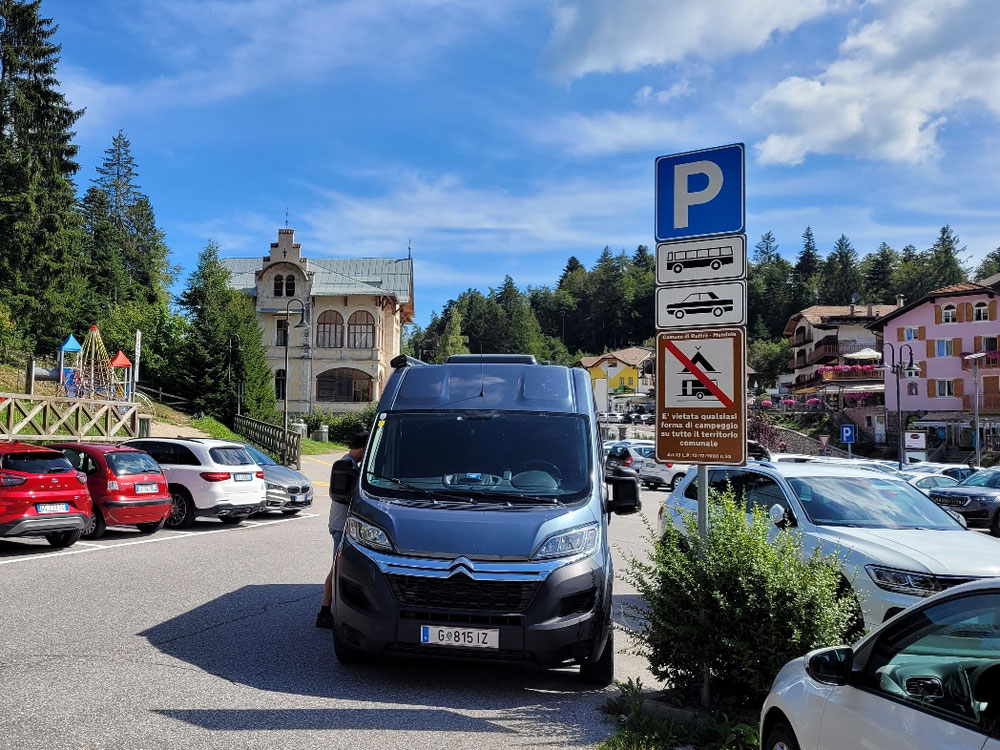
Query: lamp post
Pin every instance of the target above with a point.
(229, 370)
(974, 358)
(897, 368)
(288, 334)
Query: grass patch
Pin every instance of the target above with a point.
(215, 429)
(312, 447)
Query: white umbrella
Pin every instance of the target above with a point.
(866, 353)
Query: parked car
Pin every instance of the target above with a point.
(288, 490)
(927, 482)
(41, 494)
(976, 499)
(857, 463)
(927, 679)
(955, 471)
(896, 545)
(206, 477)
(614, 417)
(127, 487)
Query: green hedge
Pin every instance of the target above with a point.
(342, 427)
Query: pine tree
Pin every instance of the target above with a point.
(877, 270)
(766, 249)
(806, 267)
(944, 260)
(40, 235)
(452, 340)
(989, 266)
(841, 277)
(911, 278)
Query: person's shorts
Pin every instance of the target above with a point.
(338, 537)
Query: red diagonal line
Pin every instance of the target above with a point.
(694, 370)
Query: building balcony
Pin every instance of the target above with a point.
(988, 403)
(844, 376)
(832, 351)
(985, 363)
(800, 339)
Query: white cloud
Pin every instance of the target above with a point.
(896, 82)
(608, 132)
(646, 95)
(603, 36)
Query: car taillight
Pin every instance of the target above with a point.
(112, 485)
(627, 461)
(11, 480)
(670, 466)
(81, 477)
(215, 476)
(259, 475)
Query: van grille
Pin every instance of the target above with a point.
(459, 592)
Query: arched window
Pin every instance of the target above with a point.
(949, 314)
(281, 335)
(279, 285)
(981, 311)
(344, 384)
(279, 385)
(289, 286)
(330, 330)
(361, 330)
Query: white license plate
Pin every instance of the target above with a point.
(146, 489)
(242, 477)
(435, 635)
(52, 507)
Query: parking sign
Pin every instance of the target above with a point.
(847, 432)
(700, 193)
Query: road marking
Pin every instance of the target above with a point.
(322, 484)
(325, 463)
(176, 535)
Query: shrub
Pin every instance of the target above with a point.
(341, 427)
(736, 601)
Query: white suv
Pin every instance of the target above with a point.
(206, 477)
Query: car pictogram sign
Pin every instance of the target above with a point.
(708, 305)
(700, 386)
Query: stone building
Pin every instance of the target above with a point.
(354, 308)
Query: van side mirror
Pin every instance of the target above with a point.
(830, 666)
(343, 475)
(624, 491)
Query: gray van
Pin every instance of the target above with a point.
(479, 517)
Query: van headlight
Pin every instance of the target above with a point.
(903, 581)
(579, 541)
(368, 535)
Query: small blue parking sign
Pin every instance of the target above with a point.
(700, 193)
(847, 433)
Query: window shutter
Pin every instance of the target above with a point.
(923, 369)
(960, 312)
(921, 333)
(932, 388)
(959, 383)
(969, 316)
(899, 333)
(930, 348)
(956, 346)
(937, 314)
(993, 310)
(979, 343)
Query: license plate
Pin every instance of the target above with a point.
(52, 507)
(242, 477)
(435, 635)
(144, 489)
(956, 502)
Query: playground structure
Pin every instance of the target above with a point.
(87, 371)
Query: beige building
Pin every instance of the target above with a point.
(355, 309)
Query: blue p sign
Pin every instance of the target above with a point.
(847, 434)
(700, 193)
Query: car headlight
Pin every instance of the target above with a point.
(368, 535)
(903, 581)
(273, 486)
(574, 542)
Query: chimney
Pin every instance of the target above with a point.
(899, 300)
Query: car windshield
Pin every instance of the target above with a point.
(481, 454)
(36, 462)
(868, 502)
(124, 463)
(230, 456)
(259, 457)
(981, 479)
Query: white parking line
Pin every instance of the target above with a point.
(176, 535)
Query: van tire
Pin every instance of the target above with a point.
(182, 508)
(345, 653)
(602, 671)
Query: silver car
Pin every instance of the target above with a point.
(287, 489)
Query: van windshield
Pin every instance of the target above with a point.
(482, 455)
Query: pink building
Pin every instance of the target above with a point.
(941, 328)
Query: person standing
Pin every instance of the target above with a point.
(338, 520)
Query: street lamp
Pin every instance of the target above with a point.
(229, 370)
(974, 358)
(288, 334)
(897, 368)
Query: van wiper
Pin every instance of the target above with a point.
(513, 496)
(432, 494)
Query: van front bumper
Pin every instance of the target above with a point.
(552, 613)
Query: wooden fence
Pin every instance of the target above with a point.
(271, 437)
(168, 399)
(25, 417)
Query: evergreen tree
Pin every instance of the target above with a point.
(766, 249)
(877, 271)
(944, 260)
(249, 364)
(912, 278)
(452, 340)
(40, 235)
(769, 288)
(807, 265)
(841, 277)
(989, 266)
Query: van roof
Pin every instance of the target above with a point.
(492, 382)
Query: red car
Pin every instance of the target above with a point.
(41, 494)
(126, 484)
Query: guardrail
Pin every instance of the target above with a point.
(272, 438)
(26, 417)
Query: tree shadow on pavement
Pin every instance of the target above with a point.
(263, 636)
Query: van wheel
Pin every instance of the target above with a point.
(62, 539)
(602, 671)
(345, 653)
(150, 528)
(781, 737)
(96, 525)
(181, 508)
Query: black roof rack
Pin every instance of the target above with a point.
(492, 359)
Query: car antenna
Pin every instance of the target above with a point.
(482, 376)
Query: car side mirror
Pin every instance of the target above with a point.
(780, 517)
(830, 666)
(624, 492)
(958, 517)
(343, 475)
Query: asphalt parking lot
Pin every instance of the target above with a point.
(206, 638)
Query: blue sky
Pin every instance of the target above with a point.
(502, 136)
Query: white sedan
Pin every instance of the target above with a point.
(928, 679)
